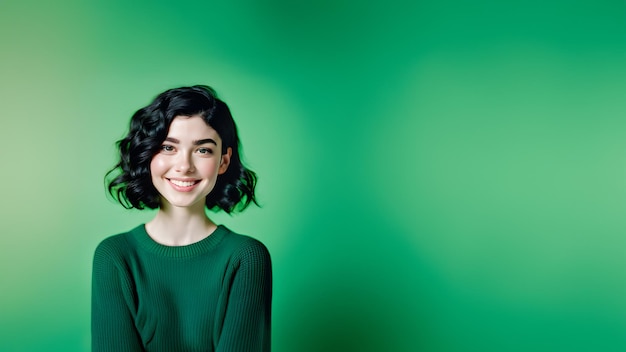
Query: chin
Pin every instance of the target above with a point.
(185, 204)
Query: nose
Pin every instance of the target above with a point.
(184, 163)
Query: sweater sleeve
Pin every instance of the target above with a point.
(112, 325)
(248, 313)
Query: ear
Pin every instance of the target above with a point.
(225, 161)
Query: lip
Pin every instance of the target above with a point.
(183, 188)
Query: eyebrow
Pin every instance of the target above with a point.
(198, 142)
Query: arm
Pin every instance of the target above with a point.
(248, 314)
(112, 325)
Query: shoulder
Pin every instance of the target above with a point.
(246, 248)
(115, 247)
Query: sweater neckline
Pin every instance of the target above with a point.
(191, 250)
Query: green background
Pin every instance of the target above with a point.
(435, 175)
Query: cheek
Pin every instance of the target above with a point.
(207, 168)
(157, 166)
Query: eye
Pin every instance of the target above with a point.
(167, 148)
(205, 151)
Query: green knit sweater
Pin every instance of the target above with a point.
(212, 295)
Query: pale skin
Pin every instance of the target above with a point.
(184, 172)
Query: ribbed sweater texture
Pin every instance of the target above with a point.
(212, 295)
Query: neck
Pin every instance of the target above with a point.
(174, 226)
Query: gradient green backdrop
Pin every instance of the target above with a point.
(435, 175)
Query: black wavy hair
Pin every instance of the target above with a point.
(130, 182)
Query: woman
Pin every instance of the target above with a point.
(181, 282)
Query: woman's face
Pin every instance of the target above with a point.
(185, 169)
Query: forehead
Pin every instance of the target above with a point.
(191, 128)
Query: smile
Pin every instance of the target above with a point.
(183, 185)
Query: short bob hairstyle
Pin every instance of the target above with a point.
(130, 182)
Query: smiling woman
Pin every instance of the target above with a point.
(180, 281)
(185, 169)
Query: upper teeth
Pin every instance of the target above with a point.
(183, 183)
